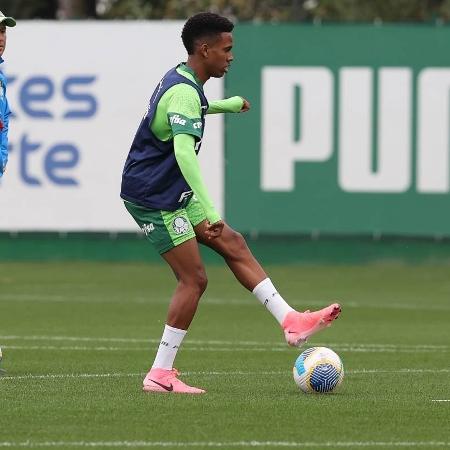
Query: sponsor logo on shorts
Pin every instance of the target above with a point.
(180, 225)
(148, 228)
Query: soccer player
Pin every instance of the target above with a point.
(163, 189)
(4, 107)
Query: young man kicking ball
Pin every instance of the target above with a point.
(163, 189)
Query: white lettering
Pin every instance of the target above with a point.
(176, 119)
(374, 134)
(148, 228)
(184, 195)
(433, 130)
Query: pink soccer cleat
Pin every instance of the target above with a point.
(298, 327)
(163, 380)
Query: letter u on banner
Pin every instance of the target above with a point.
(357, 127)
(433, 136)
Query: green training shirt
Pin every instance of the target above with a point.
(178, 117)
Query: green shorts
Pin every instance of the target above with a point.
(167, 229)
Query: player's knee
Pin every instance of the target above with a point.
(237, 244)
(195, 281)
(201, 281)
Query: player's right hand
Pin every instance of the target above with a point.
(214, 230)
(245, 106)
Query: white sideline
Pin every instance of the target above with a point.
(244, 301)
(137, 444)
(208, 373)
(187, 348)
(383, 347)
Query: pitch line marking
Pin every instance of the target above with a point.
(207, 373)
(210, 342)
(84, 298)
(441, 400)
(187, 347)
(383, 347)
(138, 444)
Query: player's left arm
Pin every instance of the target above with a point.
(184, 117)
(184, 145)
(229, 105)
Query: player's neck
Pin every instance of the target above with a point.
(198, 68)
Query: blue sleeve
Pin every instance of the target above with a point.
(4, 135)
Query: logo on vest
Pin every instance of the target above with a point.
(180, 225)
(184, 195)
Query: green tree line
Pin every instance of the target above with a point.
(425, 11)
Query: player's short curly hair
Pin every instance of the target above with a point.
(201, 25)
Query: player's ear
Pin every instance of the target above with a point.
(204, 50)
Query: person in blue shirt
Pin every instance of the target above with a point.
(4, 107)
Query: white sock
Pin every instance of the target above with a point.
(168, 347)
(272, 300)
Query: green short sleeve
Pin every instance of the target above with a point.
(181, 124)
(184, 110)
(183, 99)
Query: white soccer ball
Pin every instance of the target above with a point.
(318, 369)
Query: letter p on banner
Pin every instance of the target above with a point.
(297, 122)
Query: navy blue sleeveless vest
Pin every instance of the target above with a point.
(151, 176)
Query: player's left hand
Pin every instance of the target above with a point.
(245, 106)
(214, 230)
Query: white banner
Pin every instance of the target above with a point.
(78, 91)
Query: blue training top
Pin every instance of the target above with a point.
(4, 122)
(151, 176)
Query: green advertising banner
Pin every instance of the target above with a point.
(348, 131)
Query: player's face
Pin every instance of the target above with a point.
(2, 39)
(219, 55)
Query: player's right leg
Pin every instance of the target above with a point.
(297, 326)
(174, 238)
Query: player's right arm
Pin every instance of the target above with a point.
(229, 105)
(4, 124)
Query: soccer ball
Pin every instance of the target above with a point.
(318, 369)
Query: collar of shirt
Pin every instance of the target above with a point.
(183, 66)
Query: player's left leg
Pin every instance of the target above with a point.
(186, 264)
(297, 326)
(172, 235)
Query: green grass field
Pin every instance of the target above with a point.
(77, 339)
